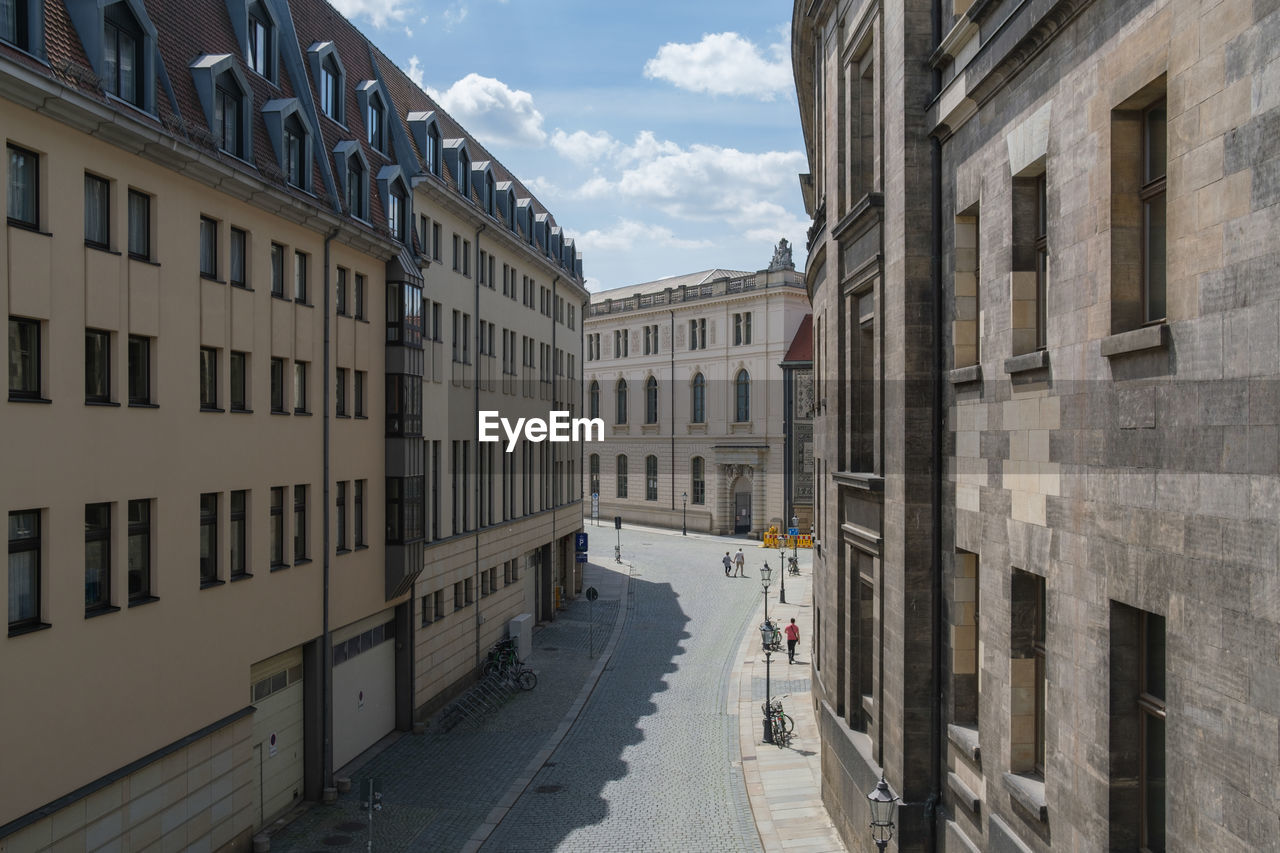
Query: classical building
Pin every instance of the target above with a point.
(685, 373)
(1045, 324)
(236, 547)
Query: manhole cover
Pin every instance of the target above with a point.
(337, 841)
(350, 826)
(548, 789)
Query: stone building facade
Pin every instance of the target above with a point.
(685, 373)
(1049, 225)
(227, 271)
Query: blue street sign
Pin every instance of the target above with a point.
(793, 531)
(580, 557)
(580, 542)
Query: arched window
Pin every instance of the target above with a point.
(593, 400)
(621, 479)
(699, 407)
(595, 473)
(651, 400)
(742, 395)
(651, 478)
(621, 395)
(699, 481)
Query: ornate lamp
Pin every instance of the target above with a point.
(884, 807)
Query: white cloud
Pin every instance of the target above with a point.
(379, 12)
(723, 64)
(582, 147)
(543, 188)
(493, 112)
(623, 235)
(595, 187)
(453, 16)
(415, 71)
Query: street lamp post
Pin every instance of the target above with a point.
(884, 803)
(766, 575)
(684, 502)
(795, 542)
(782, 583)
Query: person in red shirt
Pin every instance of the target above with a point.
(793, 638)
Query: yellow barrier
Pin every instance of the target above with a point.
(778, 540)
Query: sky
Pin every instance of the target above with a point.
(662, 135)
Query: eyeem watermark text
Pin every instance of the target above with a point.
(558, 427)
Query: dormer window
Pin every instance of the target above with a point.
(228, 107)
(330, 91)
(464, 174)
(375, 121)
(395, 211)
(295, 149)
(433, 150)
(261, 33)
(13, 22)
(357, 204)
(122, 53)
(489, 199)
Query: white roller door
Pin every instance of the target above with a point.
(277, 733)
(364, 686)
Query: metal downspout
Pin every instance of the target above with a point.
(672, 397)
(934, 802)
(475, 417)
(326, 690)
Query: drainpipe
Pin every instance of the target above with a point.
(672, 396)
(555, 404)
(934, 802)
(326, 689)
(475, 418)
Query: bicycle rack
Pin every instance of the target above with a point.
(480, 699)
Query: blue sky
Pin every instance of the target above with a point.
(663, 135)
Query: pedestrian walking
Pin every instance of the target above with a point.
(740, 562)
(793, 640)
(728, 564)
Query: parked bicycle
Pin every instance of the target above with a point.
(504, 663)
(793, 566)
(781, 724)
(770, 636)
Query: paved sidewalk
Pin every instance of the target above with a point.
(784, 785)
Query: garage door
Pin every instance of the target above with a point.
(277, 733)
(364, 686)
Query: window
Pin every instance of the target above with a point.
(698, 407)
(295, 152)
(208, 247)
(123, 42)
(97, 557)
(621, 463)
(593, 400)
(24, 186)
(741, 329)
(277, 527)
(209, 378)
(458, 600)
(139, 225)
(697, 334)
(359, 296)
(341, 504)
(299, 523)
(698, 476)
(466, 258)
(396, 212)
(359, 513)
(1139, 780)
(357, 204)
(239, 535)
(277, 270)
(1042, 261)
(228, 105)
(24, 359)
(340, 392)
(300, 387)
(967, 325)
(742, 397)
(139, 371)
(341, 292)
(208, 539)
(260, 47)
(464, 173)
(435, 241)
(299, 277)
(359, 393)
(331, 88)
(1154, 166)
(595, 473)
(97, 211)
(480, 273)
(1027, 672)
(651, 400)
(620, 395)
(139, 550)
(651, 478)
(97, 366)
(374, 123)
(13, 22)
(966, 645)
(239, 382)
(432, 154)
(277, 386)
(24, 570)
(239, 249)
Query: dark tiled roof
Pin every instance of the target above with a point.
(801, 349)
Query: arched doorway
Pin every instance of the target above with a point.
(742, 505)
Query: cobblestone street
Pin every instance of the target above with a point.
(645, 758)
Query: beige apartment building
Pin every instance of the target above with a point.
(685, 373)
(1045, 299)
(230, 523)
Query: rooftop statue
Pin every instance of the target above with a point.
(782, 257)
